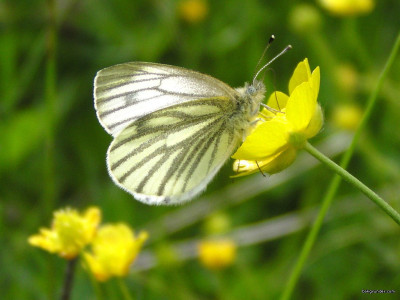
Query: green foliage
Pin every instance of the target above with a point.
(52, 148)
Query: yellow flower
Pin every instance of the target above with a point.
(217, 223)
(274, 142)
(348, 7)
(193, 11)
(70, 232)
(347, 116)
(114, 249)
(347, 77)
(304, 19)
(217, 254)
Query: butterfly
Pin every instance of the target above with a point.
(173, 128)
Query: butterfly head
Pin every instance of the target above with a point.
(254, 93)
(255, 89)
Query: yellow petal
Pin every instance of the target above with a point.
(315, 80)
(272, 165)
(301, 74)
(315, 124)
(247, 167)
(280, 162)
(278, 100)
(93, 216)
(301, 107)
(266, 140)
(96, 267)
(114, 249)
(46, 240)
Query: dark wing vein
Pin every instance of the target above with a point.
(158, 151)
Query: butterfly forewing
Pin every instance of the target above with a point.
(170, 155)
(127, 92)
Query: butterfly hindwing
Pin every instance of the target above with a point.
(170, 155)
(126, 92)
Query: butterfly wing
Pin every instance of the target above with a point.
(170, 155)
(126, 92)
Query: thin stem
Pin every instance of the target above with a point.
(354, 181)
(124, 289)
(311, 237)
(68, 280)
(305, 251)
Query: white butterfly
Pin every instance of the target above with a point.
(173, 128)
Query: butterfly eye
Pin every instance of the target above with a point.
(251, 90)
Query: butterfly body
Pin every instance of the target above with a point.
(173, 128)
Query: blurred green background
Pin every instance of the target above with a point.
(52, 148)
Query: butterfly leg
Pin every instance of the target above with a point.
(273, 110)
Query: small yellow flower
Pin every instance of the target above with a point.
(273, 144)
(70, 232)
(348, 7)
(347, 77)
(217, 254)
(347, 116)
(193, 11)
(217, 223)
(305, 18)
(114, 249)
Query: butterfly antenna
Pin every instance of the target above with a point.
(287, 48)
(271, 39)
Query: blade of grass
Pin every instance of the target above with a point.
(50, 102)
(49, 190)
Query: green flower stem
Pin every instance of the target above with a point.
(354, 181)
(124, 289)
(294, 276)
(68, 280)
